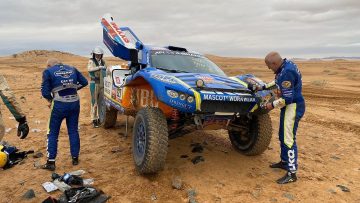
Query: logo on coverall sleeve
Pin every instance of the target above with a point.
(63, 73)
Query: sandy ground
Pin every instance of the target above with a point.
(328, 142)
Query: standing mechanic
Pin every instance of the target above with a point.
(9, 100)
(59, 86)
(292, 104)
(95, 65)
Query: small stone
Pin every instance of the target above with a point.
(273, 200)
(184, 156)
(343, 188)
(197, 159)
(153, 197)
(335, 157)
(116, 149)
(217, 199)
(94, 136)
(289, 196)
(270, 148)
(35, 130)
(177, 183)
(29, 194)
(38, 155)
(192, 200)
(332, 191)
(191, 193)
(197, 149)
(22, 182)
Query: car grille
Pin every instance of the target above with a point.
(221, 106)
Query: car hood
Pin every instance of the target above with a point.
(211, 81)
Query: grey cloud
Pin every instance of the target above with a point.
(232, 27)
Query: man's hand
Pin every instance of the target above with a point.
(268, 106)
(23, 128)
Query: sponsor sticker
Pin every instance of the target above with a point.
(286, 84)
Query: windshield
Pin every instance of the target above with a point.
(174, 61)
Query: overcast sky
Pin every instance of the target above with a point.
(251, 28)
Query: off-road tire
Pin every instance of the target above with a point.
(107, 115)
(151, 158)
(260, 130)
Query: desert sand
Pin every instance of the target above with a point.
(328, 143)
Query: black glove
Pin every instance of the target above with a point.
(23, 128)
(252, 87)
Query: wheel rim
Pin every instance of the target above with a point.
(244, 139)
(140, 140)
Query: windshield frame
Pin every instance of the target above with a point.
(216, 69)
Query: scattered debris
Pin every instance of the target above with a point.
(153, 197)
(289, 196)
(38, 155)
(184, 156)
(177, 183)
(49, 186)
(61, 185)
(343, 188)
(29, 194)
(78, 172)
(197, 159)
(88, 181)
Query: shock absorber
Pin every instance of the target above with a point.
(175, 117)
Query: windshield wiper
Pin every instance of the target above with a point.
(171, 70)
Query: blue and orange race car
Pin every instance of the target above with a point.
(168, 89)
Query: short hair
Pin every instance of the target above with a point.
(52, 62)
(273, 57)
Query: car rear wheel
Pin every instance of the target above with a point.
(107, 114)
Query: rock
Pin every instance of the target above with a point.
(197, 149)
(343, 188)
(153, 197)
(38, 155)
(29, 194)
(332, 191)
(335, 157)
(192, 200)
(273, 200)
(177, 183)
(22, 182)
(184, 156)
(289, 196)
(35, 130)
(116, 149)
(191, 193)
(217, 199)
(197, 159)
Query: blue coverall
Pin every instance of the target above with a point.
(59, 86)
(292, 103)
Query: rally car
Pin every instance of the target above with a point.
(167, 89)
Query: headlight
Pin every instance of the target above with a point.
(190, 99)
(172, 94)
(182, 96)
(200, 83)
